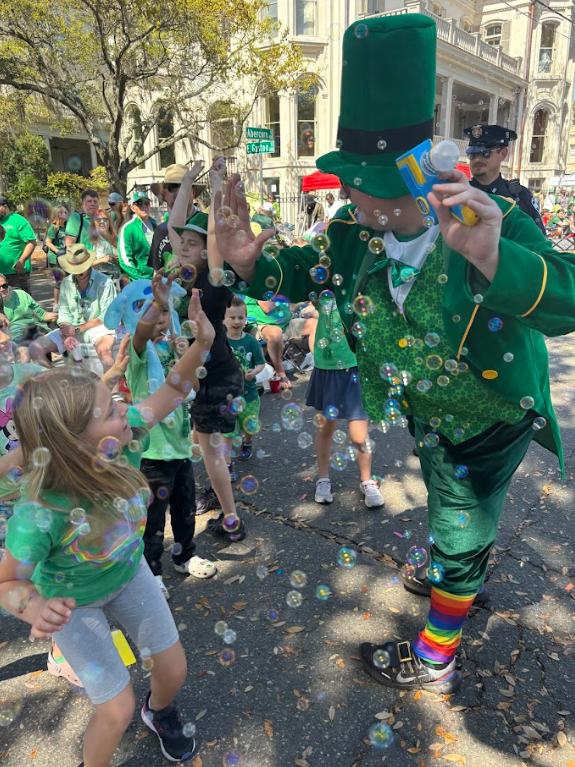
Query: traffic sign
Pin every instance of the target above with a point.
(260, 147)
(259, 133)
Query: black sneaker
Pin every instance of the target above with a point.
(206, 500)
(394, 664)
(422, 587)
(219, 529)
(167, 725)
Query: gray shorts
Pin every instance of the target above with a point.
(86, 642)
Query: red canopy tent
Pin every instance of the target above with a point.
(319, 180)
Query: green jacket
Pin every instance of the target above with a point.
(533, 292)
(134, 250)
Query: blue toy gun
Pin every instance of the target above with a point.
(420, 169)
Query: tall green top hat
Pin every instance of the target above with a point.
(387, 101)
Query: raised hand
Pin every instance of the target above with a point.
(479, 244)
(193, 172)
(217, 173)
(237, 244)
(204, 330)
(161, 286)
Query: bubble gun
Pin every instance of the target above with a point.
(420, 169)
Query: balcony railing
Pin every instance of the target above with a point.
(449, 32)
(461, 143)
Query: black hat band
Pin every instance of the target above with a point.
(386, 141)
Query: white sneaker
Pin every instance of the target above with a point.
(163, 587)
(198, 567)
(373, 498)
(323, 490)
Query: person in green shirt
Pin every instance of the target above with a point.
(79, 222)
(167, 463)
(251, 358)
(16, 247)
(334, 391)
(55, 245)
(26, 317)
(447, 320)
(74, 544)
(136, 238)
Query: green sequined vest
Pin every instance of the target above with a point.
(439, 389)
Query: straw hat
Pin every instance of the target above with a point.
(77, 259)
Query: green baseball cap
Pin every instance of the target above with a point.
(197, 223)
(137, 196)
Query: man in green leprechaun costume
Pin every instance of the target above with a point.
(451, 317)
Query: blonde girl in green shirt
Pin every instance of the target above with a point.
(74, 544)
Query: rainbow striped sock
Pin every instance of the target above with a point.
(439, 640)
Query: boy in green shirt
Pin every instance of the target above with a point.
(251, 357)
(25, 315)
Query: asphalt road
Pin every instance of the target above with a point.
(296, 694)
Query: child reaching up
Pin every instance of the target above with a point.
(166, 464)
(74, 544)
(251, 357)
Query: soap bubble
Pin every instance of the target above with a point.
(41, 457)
(320, 243)
(432, 339)
(337, 280)
(229, 636)
(339, 437)
(380, 735)
(495, 324)
(346, 557)
(442, 380)
(461, 471)
(381, 659)
(227, 656)
(463, 519)
(363, 306)
(508, 357)
(249, 484)
(526, 403)
(382, 220)
(220, 628)
(539, 423)
(304, 440)
(442, 279)
(262, 572)
(388, 371)
(428, 222)
(478, 298)
(436, 572)
(409, 571)
(424, 385)
(361, 31)
(358, 330)
(232, 759)
(10, 708)
(294, 599)
(323, 592)
(431, 440)
(376, 245)
(363, 236)
(434, 362)
(298, 579)
(381, 144)
(338, 461)
(417, 556)
(319, 420)
(331, 412)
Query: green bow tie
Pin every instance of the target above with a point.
(400, 272)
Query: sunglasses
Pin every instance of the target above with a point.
(142, 204)
(486, 153)
(101, 220)
(3, 285)
(172, 187)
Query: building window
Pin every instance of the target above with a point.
(165, 123)
(493, 34)
(535, 184)
(466, 25)
(305, 17)
(272, 120)
(538, 140)
(546, 48)
(375, 6)
(272, 9)
(306, 120)
(436, 8)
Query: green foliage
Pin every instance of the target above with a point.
(69, 186)
(26, 188)
(25, 158)
(91, 62)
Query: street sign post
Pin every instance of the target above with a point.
(261, 141)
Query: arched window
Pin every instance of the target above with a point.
(272, 119)
(306, 120)
(436, 8)
(538, 139)
(466, 25)
(493, 34)
(546, 48)
(165, 123)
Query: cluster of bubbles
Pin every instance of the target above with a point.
(228, 655)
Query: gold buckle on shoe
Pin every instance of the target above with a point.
(399, 653)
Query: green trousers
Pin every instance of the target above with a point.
(464, 513)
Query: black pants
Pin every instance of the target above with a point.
(172, 483)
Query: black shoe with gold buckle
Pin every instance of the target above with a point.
(394, 664)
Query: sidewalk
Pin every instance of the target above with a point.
(295, 693)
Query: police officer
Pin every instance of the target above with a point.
(488, 148)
